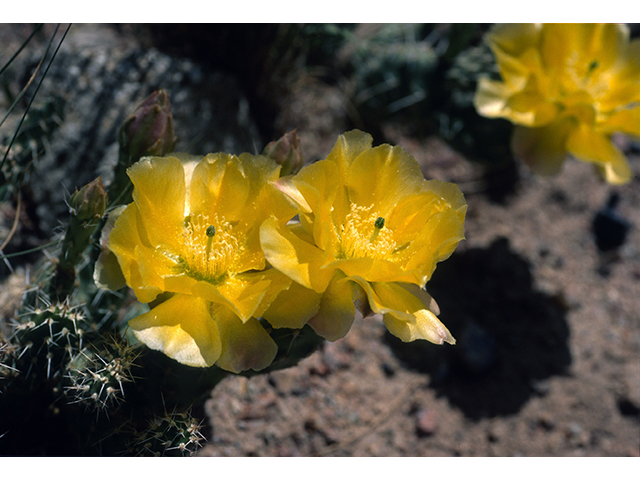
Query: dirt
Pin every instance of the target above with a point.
(548, 327)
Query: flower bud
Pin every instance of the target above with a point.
(90, 201)
(287, 152)
(87, 208)
(149, 129)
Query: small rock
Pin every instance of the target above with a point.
(259, 408)
(388, 370)
(546, 422)
(426, 422)
(321, 369)
(609, 228)
(335, 358)
(540, 387)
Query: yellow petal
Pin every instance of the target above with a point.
(124, 237)
(246, 294)
(516, 53)
(436, 242)
(369, 268)
(591, 146)
(189, 163)
(245, 345)
(152, 269)
(126, 244)
(230, 186)
(406, 313)
(426, 327)
(558, 43)
(449, 194)
(337, 309)
(159, 195)
(182, 329)
(391, 297)
(348, 147)
(382, 177)
(530, 109)
(278, 282)
(108, 274)
(622, 81)
(293, 307)
(626, 120)
(299, 260)
(410, 216)
(239, 294)
(543, 149)
(321, 184)
(491, 98)
(427, 228)
(514, 38)
(287, 187)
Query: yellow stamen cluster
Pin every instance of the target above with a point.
(210, 248)
(363, 235)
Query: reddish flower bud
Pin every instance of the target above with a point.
(286, 151)
(149, 129)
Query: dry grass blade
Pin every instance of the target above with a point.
(37, 88)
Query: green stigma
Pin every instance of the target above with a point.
(211, 231)
(378, 225)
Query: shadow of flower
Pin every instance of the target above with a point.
(510, 337)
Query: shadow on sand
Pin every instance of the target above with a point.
(510, 337)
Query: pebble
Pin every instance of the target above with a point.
(609, 228)
(426, 422)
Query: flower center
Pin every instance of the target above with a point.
(210, 248)
(363, 234)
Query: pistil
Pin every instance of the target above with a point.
(211, 231)
(378, 225)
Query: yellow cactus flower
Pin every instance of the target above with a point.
(567, 87)
(371, 231)
(189, 245)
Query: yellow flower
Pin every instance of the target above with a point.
(567, 88)
(189, 245)
(371, 231)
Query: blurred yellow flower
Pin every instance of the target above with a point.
(371, 230)
(567, 87)
(189, 245)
